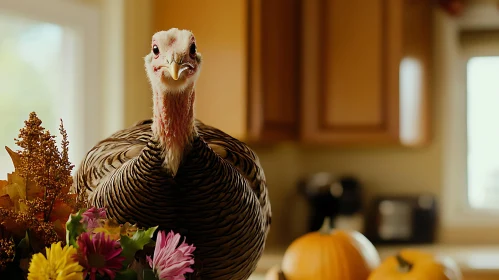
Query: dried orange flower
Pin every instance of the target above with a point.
(6, 252)
(36, 198)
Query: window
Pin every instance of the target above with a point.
(483, 131)
(467, 89)
(49, 64)
(31, 78)
(480, 53)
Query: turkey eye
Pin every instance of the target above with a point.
(155, 50)
(192, 50)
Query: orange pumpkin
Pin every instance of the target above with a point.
(410, 264)
(330, 255)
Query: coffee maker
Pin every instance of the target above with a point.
(339, 198)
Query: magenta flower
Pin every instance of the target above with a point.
(99, 254)
(169, 261)
(92, 216)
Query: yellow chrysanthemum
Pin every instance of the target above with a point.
(60, 264)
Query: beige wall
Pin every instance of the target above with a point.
(381, 170)
(222, 42)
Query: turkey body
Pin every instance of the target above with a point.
(218, 198)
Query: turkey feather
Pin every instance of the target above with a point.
(218, 198)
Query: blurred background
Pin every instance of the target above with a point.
(380, 114)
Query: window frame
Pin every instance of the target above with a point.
(452, 61)
(468, 52)
(87, 100)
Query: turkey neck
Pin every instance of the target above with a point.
(173, 124)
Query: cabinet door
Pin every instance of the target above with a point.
(274, 80)
(352, 56)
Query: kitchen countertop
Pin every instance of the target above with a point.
(470, 258)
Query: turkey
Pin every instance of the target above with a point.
(181, 174)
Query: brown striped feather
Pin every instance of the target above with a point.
(218, 199)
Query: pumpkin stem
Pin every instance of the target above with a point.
(404, 265)
(326, 226)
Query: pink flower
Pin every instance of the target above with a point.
(91, 217)
(94, 213)
(171, 262)
(99, 254)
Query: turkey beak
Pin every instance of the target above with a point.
(174, 70)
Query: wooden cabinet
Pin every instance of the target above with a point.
(365, 77)
(315, 71)
(274, 74)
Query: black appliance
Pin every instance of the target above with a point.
(409, 219)
(330, 196)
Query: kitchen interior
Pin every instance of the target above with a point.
(357, 110)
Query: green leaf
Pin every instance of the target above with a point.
(148, 274)
(137, 242)
(23, 249)
(24, 243)
(74, 227)
(128, 274)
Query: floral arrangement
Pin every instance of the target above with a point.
(46, 231)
